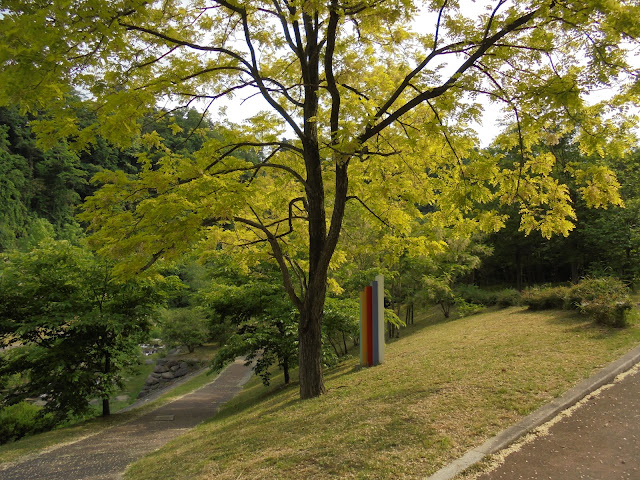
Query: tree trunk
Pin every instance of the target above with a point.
(322, 244)
(519, 268)
(285, 369)
(106, 408)
(335, 349)
(310, 352)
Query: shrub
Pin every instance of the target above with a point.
(466, 309)
(508, 297)
(546, 298)
(474, 294)
(22, 419)
(606, 300)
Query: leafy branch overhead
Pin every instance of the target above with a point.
(370, 101)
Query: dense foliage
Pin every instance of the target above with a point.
(605, 241)
(183, 327)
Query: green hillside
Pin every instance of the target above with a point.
(445, 387)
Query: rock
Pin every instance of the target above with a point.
(151, 380)
(122, 398)
(181, 372)
(161, 369)
(143, 393)
(174, 368)
(168, 375)
(161, 361)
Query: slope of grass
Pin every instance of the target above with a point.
(444, 388)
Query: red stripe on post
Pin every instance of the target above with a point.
(368, 291)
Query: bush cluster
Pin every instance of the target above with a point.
(509, 297)
(546, 298)
(605, 300)
(466, 309)
(22, 419)
(475, 295)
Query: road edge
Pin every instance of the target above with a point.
(545, 413)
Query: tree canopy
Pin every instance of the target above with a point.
(365, 109)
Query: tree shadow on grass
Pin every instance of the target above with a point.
(575, 322)
(256, 393)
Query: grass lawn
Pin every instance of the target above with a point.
(30, 445)
(445, 388)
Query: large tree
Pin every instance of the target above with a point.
(364, 110)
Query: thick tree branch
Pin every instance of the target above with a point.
(295, 48)
(328, 69)
(184, 43)
(255, 68)
(483, 47)
(280, 259)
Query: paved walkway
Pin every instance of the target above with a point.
(598, 440)
(106, 455)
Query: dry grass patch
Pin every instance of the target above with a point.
(443, 389)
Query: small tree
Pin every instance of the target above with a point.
(438, 290)
(77, 329)
(459, 257)
(341, 323)
(184, 326)
(264, 320)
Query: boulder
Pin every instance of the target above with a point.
(181, 372)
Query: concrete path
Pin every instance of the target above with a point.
(106, 455)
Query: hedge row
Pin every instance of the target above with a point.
(475, 295)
